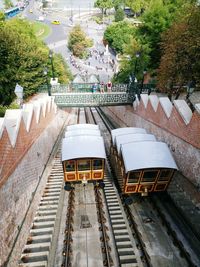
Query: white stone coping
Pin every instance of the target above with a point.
(184, 110)
(197, 107)
(145, 99)
(12, 123)
(166, 105)
(154, 100)
(13, 117)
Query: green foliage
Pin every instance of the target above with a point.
(104, 5)
(23, 58)
(8, 4)
(118, 34)
(180, 62)
(4, 108)
(119, 14)
(62, 69)
(137, 5)
(98, 20)
(2, 17)
(78, 42)
(155, 21)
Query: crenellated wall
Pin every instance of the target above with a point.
(27, 137)
(18, 131)
(174, 124)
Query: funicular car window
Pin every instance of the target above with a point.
(84, 165)
(70, 166)
(97, 164)
(133, 177)
(165, 175)
(149, 176)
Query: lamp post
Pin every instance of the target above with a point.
(45, 71)
(137, 55)
(52, 66)
(142, 84)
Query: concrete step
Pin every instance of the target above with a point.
(34, 257)
(50, 198)
(44, 218)
(46, 212)
(48, 204)
(116, 221)
(43, 231)
(119, 226)
(126, 251)
(53, 190)
(38, 247)
(123, 245)
(124, 238)
(116, 216)
(34, 264)
(41, 239)
(40, 225)
(127, 259)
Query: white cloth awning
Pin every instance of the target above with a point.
(83, 147)
(147, 154)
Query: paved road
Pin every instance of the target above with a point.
(57, 40)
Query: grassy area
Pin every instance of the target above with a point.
(41, 30)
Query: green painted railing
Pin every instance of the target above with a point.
(74, 95)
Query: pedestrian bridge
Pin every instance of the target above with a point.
(81, 95)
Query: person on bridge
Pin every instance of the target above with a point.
(102, 87)
(109, 86)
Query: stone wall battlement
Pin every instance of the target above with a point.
(19, 129)
(176, 118)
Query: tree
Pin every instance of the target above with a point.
(118, 34)
(104, 5)
(23, 58)
(155, 21)
(180, 62)
(8, 4)
(78, 42)
(119, 14)
(137, 5)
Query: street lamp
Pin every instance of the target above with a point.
(45, 71)
(144, 73)
(52, 66)
(137, 55)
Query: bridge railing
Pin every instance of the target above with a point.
(87, 88)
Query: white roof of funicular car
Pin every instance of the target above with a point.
(82, 132)
(147, 154)
(126, 130)
(129, 138)
(82, 126)
(83, 147)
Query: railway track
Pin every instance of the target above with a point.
(121, 239)
(170, 219)
(38, 247)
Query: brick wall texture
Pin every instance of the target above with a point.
(17, 189)
(183, 140)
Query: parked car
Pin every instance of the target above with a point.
(56, 22)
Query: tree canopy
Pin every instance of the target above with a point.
(104, 5)
(78, 42)
(23, 58)
(180, 61)
(118, 34)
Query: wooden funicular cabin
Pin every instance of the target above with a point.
(145, 164)
(83, 157)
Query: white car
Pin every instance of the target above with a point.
(40, 18)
